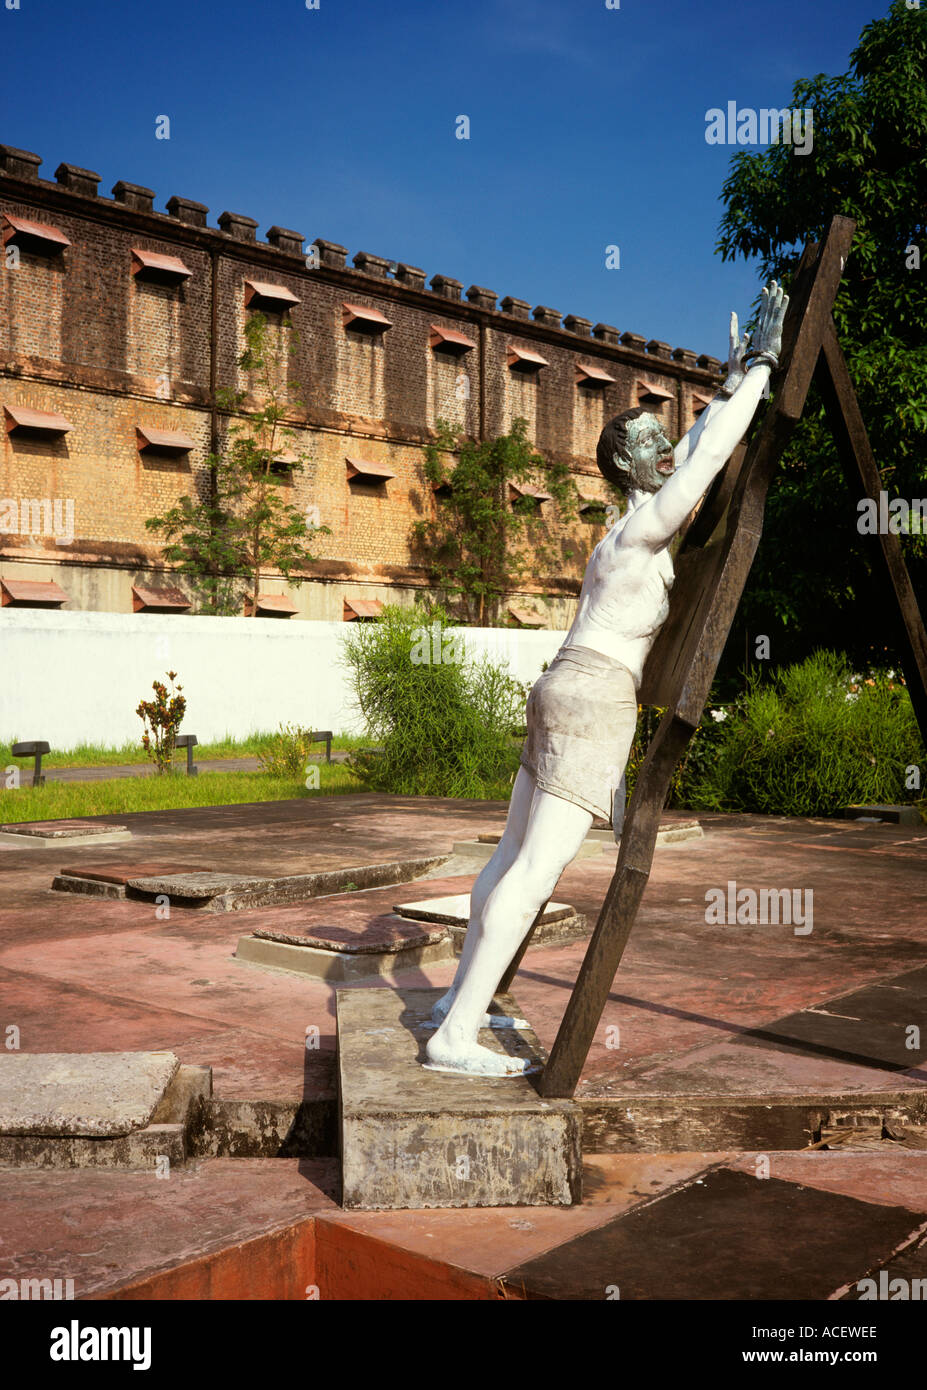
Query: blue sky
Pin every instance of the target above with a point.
(587, 129)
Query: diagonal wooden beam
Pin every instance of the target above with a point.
(666, 676)
(849, 431)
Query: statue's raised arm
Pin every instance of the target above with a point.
(737, 349)
(656, 523)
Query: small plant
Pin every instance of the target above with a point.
(161, 719)
(287, 753)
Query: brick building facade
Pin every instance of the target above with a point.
(119, 324)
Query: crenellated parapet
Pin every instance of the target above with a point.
(321, 257)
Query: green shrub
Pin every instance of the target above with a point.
(805, 742)
(443, 726)
(288, 751)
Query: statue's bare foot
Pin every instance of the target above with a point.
(440, 1011)
(470, 1059)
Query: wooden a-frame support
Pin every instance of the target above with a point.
(711, 571)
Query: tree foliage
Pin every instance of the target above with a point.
(224, 542)
(482, 542)
(813, 580)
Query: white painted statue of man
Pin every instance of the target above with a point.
(582, 711)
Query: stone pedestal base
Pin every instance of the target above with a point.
(413, 1138)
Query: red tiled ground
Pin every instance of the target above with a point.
(78, 974)
(82, 974)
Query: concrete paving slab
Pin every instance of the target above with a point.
(61, 829)
(897, 815)
(88, 887)
(559, 923)
(221, 892)
(672, 833)
(454, 910)
(337, 962)
(386, 932)
(481, 851)
(11, 837)
(194, 885)
(418, 1138)
(144, 1150)
(100, 1094)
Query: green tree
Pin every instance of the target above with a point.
(226, 541)
(484, 540)
(813, 576)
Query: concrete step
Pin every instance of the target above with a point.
(99, 1109)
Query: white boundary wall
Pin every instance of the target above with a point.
(77, 677)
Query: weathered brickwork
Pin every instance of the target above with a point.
(89, 333)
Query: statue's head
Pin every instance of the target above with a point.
(634, 452)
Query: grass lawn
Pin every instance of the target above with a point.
(66, 800)
(95, 755)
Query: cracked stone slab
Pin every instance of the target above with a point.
(386, 933)
(339, 965)
(196, 885)
(454, 911)
(211, 891)
(126, 873)
(98, 1094)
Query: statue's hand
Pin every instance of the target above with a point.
(735, 359)
(767, 340)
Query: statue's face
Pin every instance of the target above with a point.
(651, 454)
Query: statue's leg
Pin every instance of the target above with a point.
(555, 831)
(501, 860)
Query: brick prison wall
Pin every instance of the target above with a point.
(115, 352)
